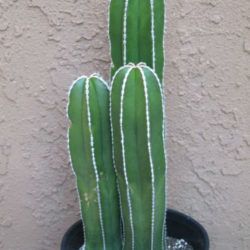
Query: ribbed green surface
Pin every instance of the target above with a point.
(137, 125)
(91, 156)
(136, 32)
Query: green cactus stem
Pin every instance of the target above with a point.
(137, 125)
(136, 29)
(91, 156)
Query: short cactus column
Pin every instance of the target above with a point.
(91, 155)
(137, 121)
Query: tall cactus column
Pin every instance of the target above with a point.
(136, 30)
(91, 156)
(138, 142)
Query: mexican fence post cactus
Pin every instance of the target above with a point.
(91, 156)
(137, 125)
(136, 30)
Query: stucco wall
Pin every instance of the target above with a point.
(45, 45)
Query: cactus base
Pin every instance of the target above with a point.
(179, 226)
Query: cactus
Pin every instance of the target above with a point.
(137, 126)
(136, 30)
(91, 156)
(116, 137)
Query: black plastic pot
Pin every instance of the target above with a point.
(179, 226)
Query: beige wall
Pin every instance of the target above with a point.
(45, 45)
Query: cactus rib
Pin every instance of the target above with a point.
(116, 172)
(92, 146)
(124, 159)
(164, 128)
(150, 155)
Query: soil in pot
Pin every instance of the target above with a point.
(173, 244)
(177, 244)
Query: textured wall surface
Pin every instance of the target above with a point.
(45, 45)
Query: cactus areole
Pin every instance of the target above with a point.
(116, 135)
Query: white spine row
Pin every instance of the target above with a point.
(125, 16)
(110, 45)
(124, 158)
(164, 231)
(150, 155)
(67, 111)
(163, 44)
(153, 33)
(92, 146)
(165, 154)
(164, 236)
